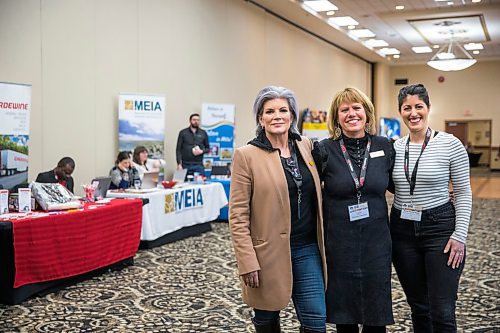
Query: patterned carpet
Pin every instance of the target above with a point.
(192, 286)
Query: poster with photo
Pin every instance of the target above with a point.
(218, 121)
(314, 124)
(15, 108)
(141, 121)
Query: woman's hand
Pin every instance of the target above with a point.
(251, 279)
(457, 252)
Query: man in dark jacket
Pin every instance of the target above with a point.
(192, 143)
(60, 174)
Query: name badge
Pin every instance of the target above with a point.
(358, 212)
(411, 212)
(378, 153)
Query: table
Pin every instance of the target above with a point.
(173, 214)
(224, 212)
(43, 250)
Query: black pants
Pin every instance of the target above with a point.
(429, 283)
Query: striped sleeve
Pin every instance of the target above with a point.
(460, 178)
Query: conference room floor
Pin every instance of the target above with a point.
(191, 286)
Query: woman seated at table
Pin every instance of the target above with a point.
(123, 174)
(144, 164)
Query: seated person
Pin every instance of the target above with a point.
(60, 174)
(143, 164)
(123, 174)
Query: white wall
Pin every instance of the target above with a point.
(80, 54)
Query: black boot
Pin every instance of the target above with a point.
(274, 327)
(310, 330)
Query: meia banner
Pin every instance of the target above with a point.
(15, 107)
(218, 121)
(141, 122)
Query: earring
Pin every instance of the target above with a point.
(368, 128)
(338, 132)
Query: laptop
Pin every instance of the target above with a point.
(101, 186)
(150, 180)
(180, 176)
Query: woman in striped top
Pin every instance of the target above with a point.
(428, 231)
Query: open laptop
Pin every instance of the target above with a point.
(180, 176)
(101, 186)
(150, 180)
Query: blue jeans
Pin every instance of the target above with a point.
(308, 292)
(429, 283)
(193, 167)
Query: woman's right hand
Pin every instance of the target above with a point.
(251, 279)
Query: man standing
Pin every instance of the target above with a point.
(60, 174)
(192, 143)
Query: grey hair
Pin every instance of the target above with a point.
(273, 92)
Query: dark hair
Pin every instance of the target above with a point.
(193, 115)
(137, 151)
(123, 155)
(66, 161)
(414, 89)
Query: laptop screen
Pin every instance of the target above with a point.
(180, 176)
(101, 186)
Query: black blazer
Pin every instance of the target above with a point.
(50, 177)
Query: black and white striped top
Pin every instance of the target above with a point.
(443, 159)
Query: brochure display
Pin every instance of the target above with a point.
(15, 107)
(218, 121)
(52, 196)
(142, 123)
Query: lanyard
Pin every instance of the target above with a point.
(362, 177)
(413, 179)
(292, 166)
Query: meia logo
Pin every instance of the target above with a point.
(182, 200)
(142, 105)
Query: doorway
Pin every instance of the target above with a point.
(475, 135)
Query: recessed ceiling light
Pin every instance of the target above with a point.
(362, 33)
(476, 1)
(351, 27)
(449, 3)
(343, 21)
(421, 49)
(389, 51)
(440, 0)
(396, 56)
(435, 46)
(445, 56)
(473, 46)
(330, 13)
(475, 52)
(401, 7)
(376, 43)
(320, 5)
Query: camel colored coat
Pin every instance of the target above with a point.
(259, 221)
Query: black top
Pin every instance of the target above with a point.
(358, 252)
(185, 143)
(50, 177)
(303, 231)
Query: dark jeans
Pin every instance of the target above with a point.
(429, 283)
(308, 293)
(193, 167)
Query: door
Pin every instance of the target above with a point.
(458, 129)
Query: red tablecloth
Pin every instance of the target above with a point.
(72, 243)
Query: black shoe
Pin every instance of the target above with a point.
(309, 330)
(273, 327)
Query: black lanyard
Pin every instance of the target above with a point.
(292, 166)
(362, 177)
(413, 179)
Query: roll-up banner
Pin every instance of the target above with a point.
(218, 121)
(142, 123)
(15, 108)
(314, 124)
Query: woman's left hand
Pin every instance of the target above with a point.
(457, 252)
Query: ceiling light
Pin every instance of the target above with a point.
(451, 57)
(330, 13)
(473, 46)
(475, 52)
(389, 51)
(343, 21)
(476, 1)
(440, 0)
(450, 3)
(421, 49)
(362, 33)
(351, 27)
(435, 46)
(376, 43)
(396, 56)
(320, 5)
(401, 7)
